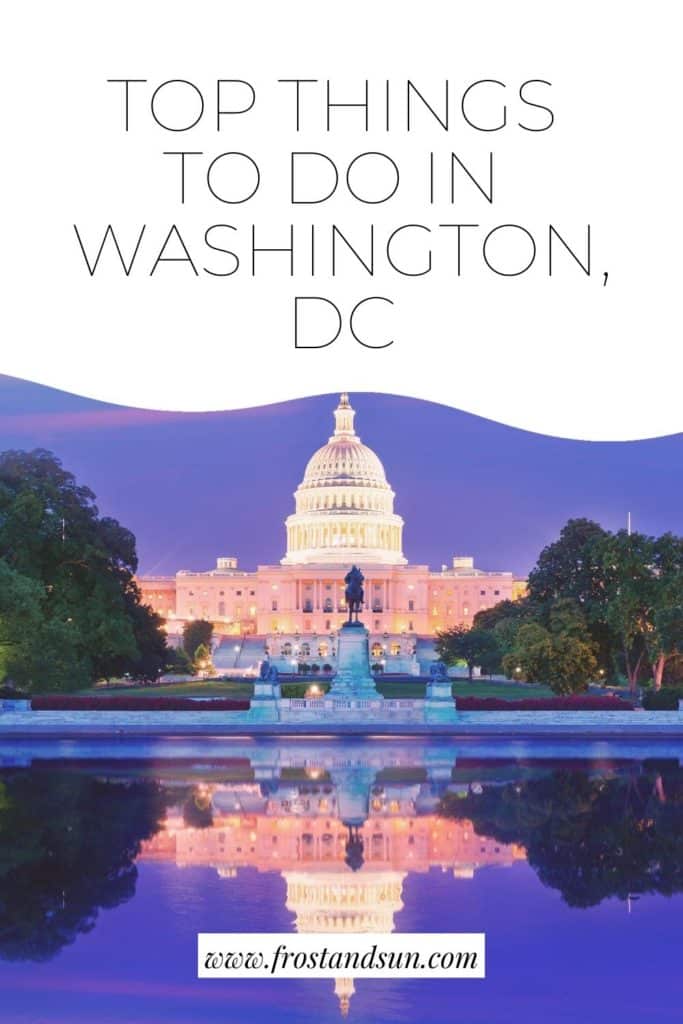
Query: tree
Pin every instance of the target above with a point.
(504, 611)
(202, 658)
(150, 639)
(562, 655)
(196, 632)
(178, 662)
(20, 619)
(473, 646)
(33, 647)
(68, 846)
(80, 568)
(664, 640)
(505, 620)
(628, 560)
(531, 654)
(573, 567)
(645, 600)
(589, 837)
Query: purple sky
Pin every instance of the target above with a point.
(194, 486)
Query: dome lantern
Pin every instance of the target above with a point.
(344, 416)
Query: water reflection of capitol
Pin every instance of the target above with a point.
(343, 840)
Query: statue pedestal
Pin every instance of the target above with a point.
(265, 702)
(353, 679)
(439, 705)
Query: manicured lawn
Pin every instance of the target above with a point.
(494, 688)
(463, 688)
(236, 688)
(240, 689)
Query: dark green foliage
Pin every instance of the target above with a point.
(626, 592)
(665, 699)
(196, 633)
(561, 655)
(476, 647)
(178, 662)
(589, 837)
(70, 609)
(68, 844)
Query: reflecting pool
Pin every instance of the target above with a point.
(112, 859)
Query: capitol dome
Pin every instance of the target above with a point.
(344, 504)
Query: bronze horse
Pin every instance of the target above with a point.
(354, 593)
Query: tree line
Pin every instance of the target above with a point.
(600, 607)
(70, 609)
(589, 836)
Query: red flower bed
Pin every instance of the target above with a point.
(585, 703)
(59, 703)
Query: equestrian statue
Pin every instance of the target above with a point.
(354, 594)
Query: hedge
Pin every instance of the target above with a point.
(61, 703)
(581, 703)
(665, 699)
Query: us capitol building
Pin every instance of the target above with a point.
(344, 515)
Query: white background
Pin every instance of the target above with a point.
(430, 946)
(563, 356)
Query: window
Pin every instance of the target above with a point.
(323, 649)
(287, 650)
(308, 606)
(411, 606)
(328, 624)
(377, 624)
(482, 593)
(305, 650)
(496, 593)
(273, 605)
(376, 650)
(410, 626)
(221, 609)
(465, 610)
(328, 607)
(239, 593)
(395, 649)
